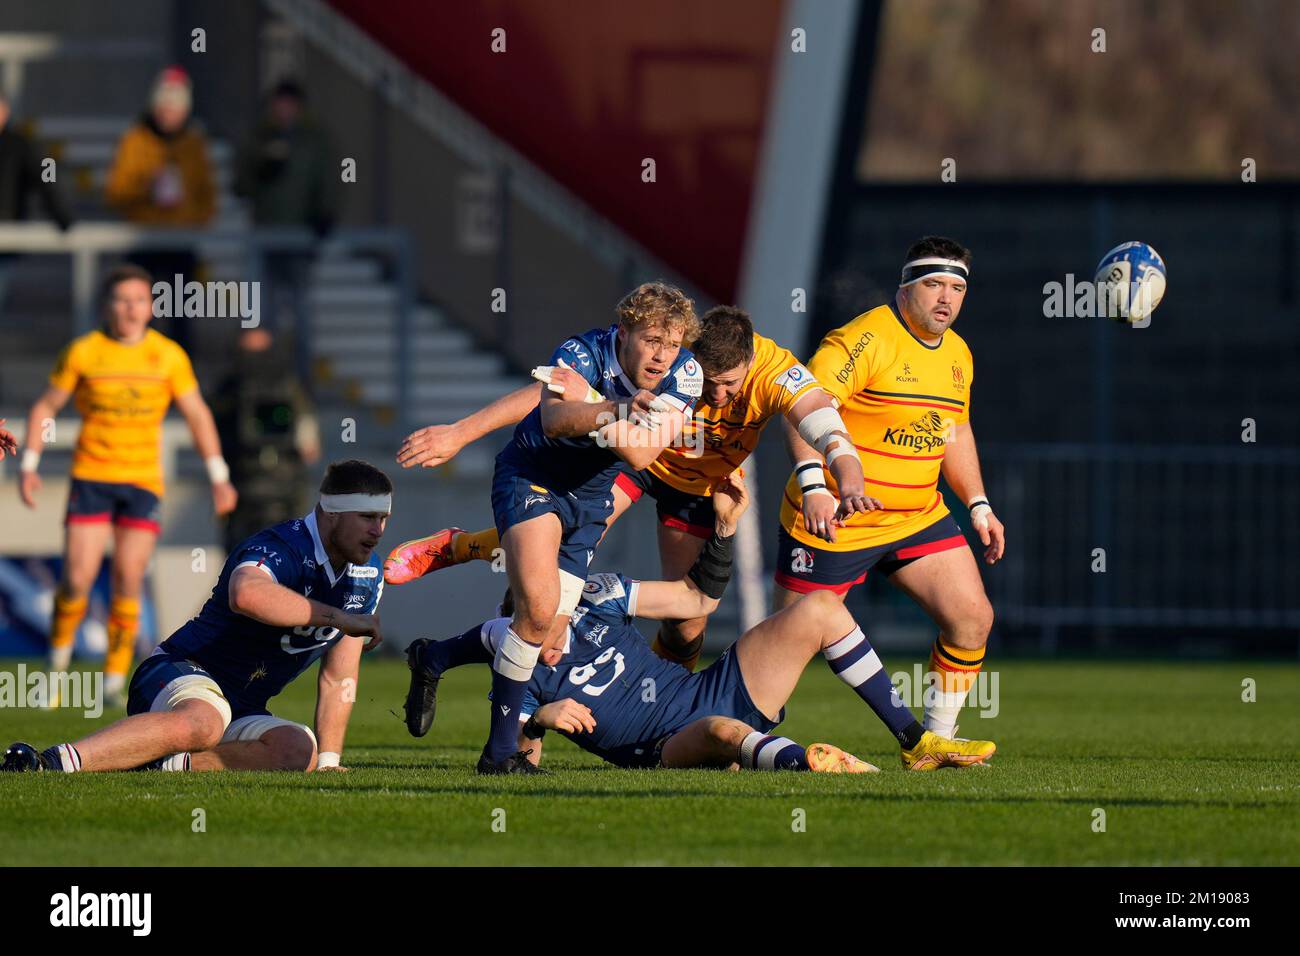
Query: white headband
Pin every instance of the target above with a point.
(367, 504)
(918, 269)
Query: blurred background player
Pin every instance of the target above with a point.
(124, 376)
(270, 434)
(748, 380)
(721, 717)
(199, 702)
(902, 378)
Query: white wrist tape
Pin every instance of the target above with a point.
(327, 758)
(811, 477)
(818, 428)
(31, 458)
(218, 470)
(980, 509)
(366, 504)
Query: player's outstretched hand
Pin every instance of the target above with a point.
(29, 483)
(224, 498)
(430, 447)
(566, 715)
(730, 498)
(851, 505)
(8, 443)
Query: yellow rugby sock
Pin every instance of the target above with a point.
(475, 545)
(954, 670)
(123, 623)
(68, 612)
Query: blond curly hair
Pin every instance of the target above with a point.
(659, 304)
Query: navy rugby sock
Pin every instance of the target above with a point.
(512, 668)
(855, 662)
(467, 648)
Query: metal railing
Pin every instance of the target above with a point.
(1181, 538)
(88, 243)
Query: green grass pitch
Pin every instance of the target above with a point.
(1186, 772)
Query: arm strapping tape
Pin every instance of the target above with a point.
(712, 569)
(818, 428)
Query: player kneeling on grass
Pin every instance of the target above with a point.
(611, 695)
(199, 702)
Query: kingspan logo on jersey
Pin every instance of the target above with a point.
(927, 433)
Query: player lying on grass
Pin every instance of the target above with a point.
(612, 696)
(298, 592)
(748, 381)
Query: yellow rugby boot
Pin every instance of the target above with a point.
(933, 752)
(827, 758)
(416, 558)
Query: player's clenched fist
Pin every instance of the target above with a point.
(363, 625)
(567, 383)
(567, 716)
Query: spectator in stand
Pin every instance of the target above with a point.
(162, 176)
(20, 178)
(288, 170)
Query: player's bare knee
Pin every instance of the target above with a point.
(971, 630)
(727, 732)
(199, 725)
(291, 748)
(824, 607)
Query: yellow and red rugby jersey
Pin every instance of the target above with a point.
(900, 399)
(715, 441)
(122, 392)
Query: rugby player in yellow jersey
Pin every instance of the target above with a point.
(124, 376)
(902, 379)
(748, 380)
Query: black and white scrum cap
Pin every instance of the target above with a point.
(918, 269)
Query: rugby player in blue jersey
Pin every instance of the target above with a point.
(611, 695)
(298, 592)
(552, 488)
